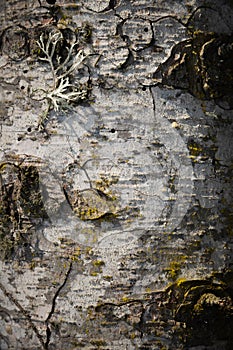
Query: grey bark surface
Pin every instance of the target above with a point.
(116, 175)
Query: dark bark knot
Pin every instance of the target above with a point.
(15, 43)
(203, 66)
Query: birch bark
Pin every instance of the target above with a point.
(116, 206)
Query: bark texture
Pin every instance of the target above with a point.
(116, 174)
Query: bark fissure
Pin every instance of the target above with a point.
(56, 295)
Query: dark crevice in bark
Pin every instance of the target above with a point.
(197, 9)
(169, 16)
(129, 60)
(48, 330)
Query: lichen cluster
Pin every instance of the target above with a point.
(63, 60)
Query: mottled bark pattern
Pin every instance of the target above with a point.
(116, 207)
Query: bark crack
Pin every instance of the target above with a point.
(48, 330)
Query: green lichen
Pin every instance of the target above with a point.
(108, 278)
(98, 263)
(96, 267)
(98, 342)
(174, 268)
(194, 149)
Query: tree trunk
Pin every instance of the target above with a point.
(116, 175)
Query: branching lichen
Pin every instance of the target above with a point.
(62, 92)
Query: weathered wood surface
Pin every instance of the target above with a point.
(116, 210)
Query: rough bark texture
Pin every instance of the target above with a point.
(116, 174)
